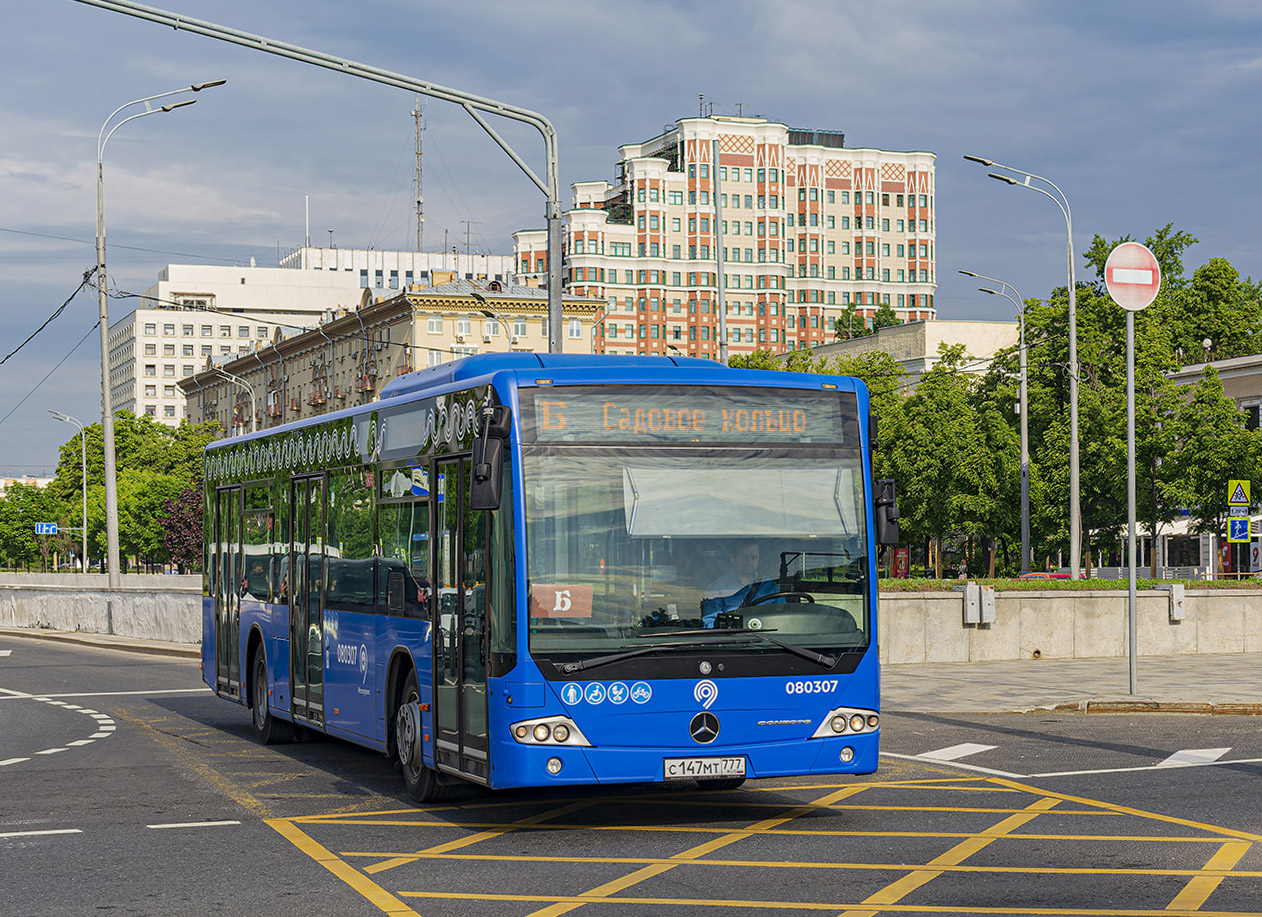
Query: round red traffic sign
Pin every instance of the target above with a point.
(1132, 276)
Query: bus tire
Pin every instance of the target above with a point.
(268, 729)
(421, 782)
(720, 783)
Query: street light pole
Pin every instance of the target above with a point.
(1075, 504)
(83, 459)
(107, 398)
(1016, 300)
(245, 385)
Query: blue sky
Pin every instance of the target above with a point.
(1145, 113)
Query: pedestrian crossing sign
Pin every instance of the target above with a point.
(1237, 531)
(1238, 493)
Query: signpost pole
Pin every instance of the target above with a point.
(1133, 278)
(1132, 617)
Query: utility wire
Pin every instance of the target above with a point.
(87, 275)
(50, 372)
(133, 248)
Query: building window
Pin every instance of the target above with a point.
(463, 325)
(151, 328)
(168, 330)
(168, 410)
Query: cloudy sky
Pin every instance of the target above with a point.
(1145, 113)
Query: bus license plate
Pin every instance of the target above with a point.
(693, 768)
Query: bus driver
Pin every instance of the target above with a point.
(737, 587)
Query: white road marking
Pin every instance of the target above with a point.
(51, 751)
(13, 761)
(40, 833)
(5, 652)
(955, 752)
(1194, 756)
(80, 742)
(98, 716)
(100, 735)
(196, 824)
(19, 694)
(1149, 767)
(960, 764)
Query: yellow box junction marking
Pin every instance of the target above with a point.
(1232, 846)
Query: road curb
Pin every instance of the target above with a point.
(107, 642)
(1146, 705)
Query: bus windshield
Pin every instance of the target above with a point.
(634, 545)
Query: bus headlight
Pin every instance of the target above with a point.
(551, 730)
(848, 721)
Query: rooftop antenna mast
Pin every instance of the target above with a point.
(420, 187)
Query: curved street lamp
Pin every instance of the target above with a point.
(1015, 299)
(107, 398)
(1058, 196)
(245, 385)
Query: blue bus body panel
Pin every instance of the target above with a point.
(208, 640)
(351, 691)
(768, 720)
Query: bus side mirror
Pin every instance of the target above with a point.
(885, 511)
(488, 458)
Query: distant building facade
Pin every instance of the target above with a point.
(194, 312)
(346, 360)
(808, 227)
(915, 345)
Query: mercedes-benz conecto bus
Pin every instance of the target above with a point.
(539, 570)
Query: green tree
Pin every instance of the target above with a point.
(1215, 446)
(22, 507)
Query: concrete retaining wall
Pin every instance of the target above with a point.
(146, 606)
(913, 626)
(928, 626)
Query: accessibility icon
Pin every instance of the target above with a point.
(595, 693)
(641, 693)
(571, 694)
(618, 693)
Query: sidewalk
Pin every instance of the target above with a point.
(107, 641)
(1172, 684)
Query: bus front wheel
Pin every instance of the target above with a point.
(267, 728)
(421, 782)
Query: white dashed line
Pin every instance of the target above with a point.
(197, 824)
(103, 722)
(955, 752)
(40, 833)
(5, 652)
(1188, 756)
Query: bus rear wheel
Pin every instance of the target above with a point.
(268, 729)
(421, 782)
(720, 783)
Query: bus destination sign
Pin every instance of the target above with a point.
(657, 415)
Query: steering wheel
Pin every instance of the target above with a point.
(780, 595)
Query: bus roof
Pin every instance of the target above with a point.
(480, 365)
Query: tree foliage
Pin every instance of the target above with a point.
(952, 443)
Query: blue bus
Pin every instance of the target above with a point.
(542, 569)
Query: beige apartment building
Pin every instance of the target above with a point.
(802, 226)
(347, 360)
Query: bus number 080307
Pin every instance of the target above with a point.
(823, 686)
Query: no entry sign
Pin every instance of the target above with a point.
(1132, 276)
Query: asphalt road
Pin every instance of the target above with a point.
(129, 789)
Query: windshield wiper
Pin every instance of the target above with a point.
(826, 661)
(569, 668)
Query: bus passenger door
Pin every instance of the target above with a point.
(459, 654)
(306, 593)
(228, 592)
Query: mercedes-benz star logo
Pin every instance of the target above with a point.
(704, 728)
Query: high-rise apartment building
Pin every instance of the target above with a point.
(802, 226)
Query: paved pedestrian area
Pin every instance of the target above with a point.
(1227, 683)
